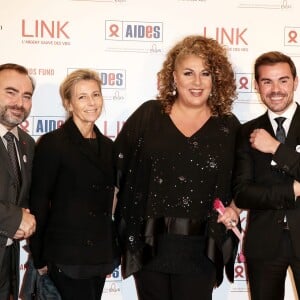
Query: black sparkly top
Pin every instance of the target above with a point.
(162, 173)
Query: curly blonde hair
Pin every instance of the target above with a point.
(215, 59)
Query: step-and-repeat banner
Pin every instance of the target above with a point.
(126, 42)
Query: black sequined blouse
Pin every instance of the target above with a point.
(164, 174)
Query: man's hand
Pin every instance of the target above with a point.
(19, 234)
(27, 226)
(262, 141)
(296, 187)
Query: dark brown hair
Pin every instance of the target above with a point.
(272, 58)
(18, 68)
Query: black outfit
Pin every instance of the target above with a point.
(167, 186)
(153, 285)
(267, 191)
(71, 198)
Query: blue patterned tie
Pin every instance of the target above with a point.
(280, 132)
(12, 153)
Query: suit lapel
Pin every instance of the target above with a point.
(265, 123)
(24, 163)
(5, 158)
(76, 137)
(22, 149)
(293, 136)
(89, 153)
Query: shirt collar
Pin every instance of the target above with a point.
(14, 131)
(288, 114)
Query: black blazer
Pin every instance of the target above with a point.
(10, 212)
(71, 197)
(10, 207)
(267, 190)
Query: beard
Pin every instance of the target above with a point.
(12, 115)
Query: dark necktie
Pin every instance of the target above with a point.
(280, 132)
(280, 136)
(12, 153)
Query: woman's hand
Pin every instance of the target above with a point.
(230, 217)
(43, 271)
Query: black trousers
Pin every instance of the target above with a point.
(76, 289)
(161, 286)
(267, 277)
(8, 276)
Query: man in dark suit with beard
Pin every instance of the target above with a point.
(267, 177)
(16, 154)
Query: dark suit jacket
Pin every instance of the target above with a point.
(266, 190)
(71, 197)
(10, 207)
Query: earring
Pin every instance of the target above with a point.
(174, 92)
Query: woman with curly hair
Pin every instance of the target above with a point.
(174, 157)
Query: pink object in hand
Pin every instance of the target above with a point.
(219, 207)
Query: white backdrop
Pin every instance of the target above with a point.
(126, 42)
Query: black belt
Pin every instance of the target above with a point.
(174, 225)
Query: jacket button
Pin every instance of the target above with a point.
(95, 187)
(89, 243)
(286, 168)
(92, 214)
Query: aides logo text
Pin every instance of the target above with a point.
(111, 78)
(133, 31)
(37, 126)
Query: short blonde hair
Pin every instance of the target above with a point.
(65, 89)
